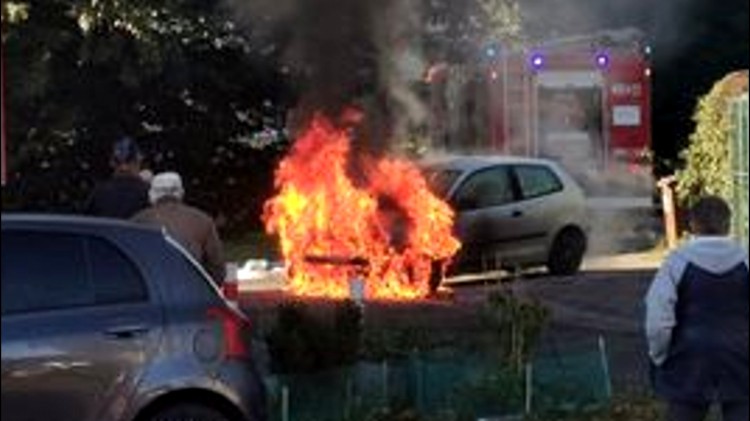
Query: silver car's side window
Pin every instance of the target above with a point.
(536, 181)
(486, 188)
(440, 181)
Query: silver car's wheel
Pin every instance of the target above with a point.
(566, 255)
(189, 412)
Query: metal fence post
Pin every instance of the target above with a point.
(386, 392)
(528, 404)
(285, 403)
(605, 366)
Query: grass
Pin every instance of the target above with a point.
(629, 408)
(623, 409)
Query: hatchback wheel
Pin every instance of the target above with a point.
(566, 254)
(189, 412)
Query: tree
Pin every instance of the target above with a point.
(707, 167)
(696, 43)
(199, 95)
(502, 21)
(458, 31)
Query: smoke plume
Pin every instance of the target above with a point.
(361, 53)
(665, 22)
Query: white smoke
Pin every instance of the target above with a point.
(401, 64)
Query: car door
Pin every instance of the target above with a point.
(540, 203)
(77, 325)
(489, 221)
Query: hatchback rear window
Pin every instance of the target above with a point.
(191, 272)
(116, 279)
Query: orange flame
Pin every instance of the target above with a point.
(328, 225)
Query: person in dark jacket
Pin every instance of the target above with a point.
(191, 227)
(697, 321)
(125, 193)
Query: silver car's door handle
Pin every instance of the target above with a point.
(516, 214)
(126, 332)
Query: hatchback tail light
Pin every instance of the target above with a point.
(235, 331)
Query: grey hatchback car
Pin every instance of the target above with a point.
(108, 321)
(512, 212)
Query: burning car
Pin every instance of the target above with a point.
(343, 216)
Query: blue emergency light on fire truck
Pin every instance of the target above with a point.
(583, 101)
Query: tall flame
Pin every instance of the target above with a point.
(387, 231)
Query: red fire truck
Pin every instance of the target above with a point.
(583, 101)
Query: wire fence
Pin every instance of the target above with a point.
(447, 386)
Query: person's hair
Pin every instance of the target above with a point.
(125, 152)
(711, 215)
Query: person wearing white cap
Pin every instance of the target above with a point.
(193, 228)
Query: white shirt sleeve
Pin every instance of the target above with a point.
(661, 301)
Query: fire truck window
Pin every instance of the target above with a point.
(537, 181)
(570, 126)
(485, 189)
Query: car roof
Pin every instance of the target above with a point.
(477, 162)
(75, 220)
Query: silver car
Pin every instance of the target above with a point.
(107, 321)
(512, 212)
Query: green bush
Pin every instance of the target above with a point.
(516, 326)
(398, 342)
(707, 167)
(301, 342)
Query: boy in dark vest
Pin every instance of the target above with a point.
(697, 321)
